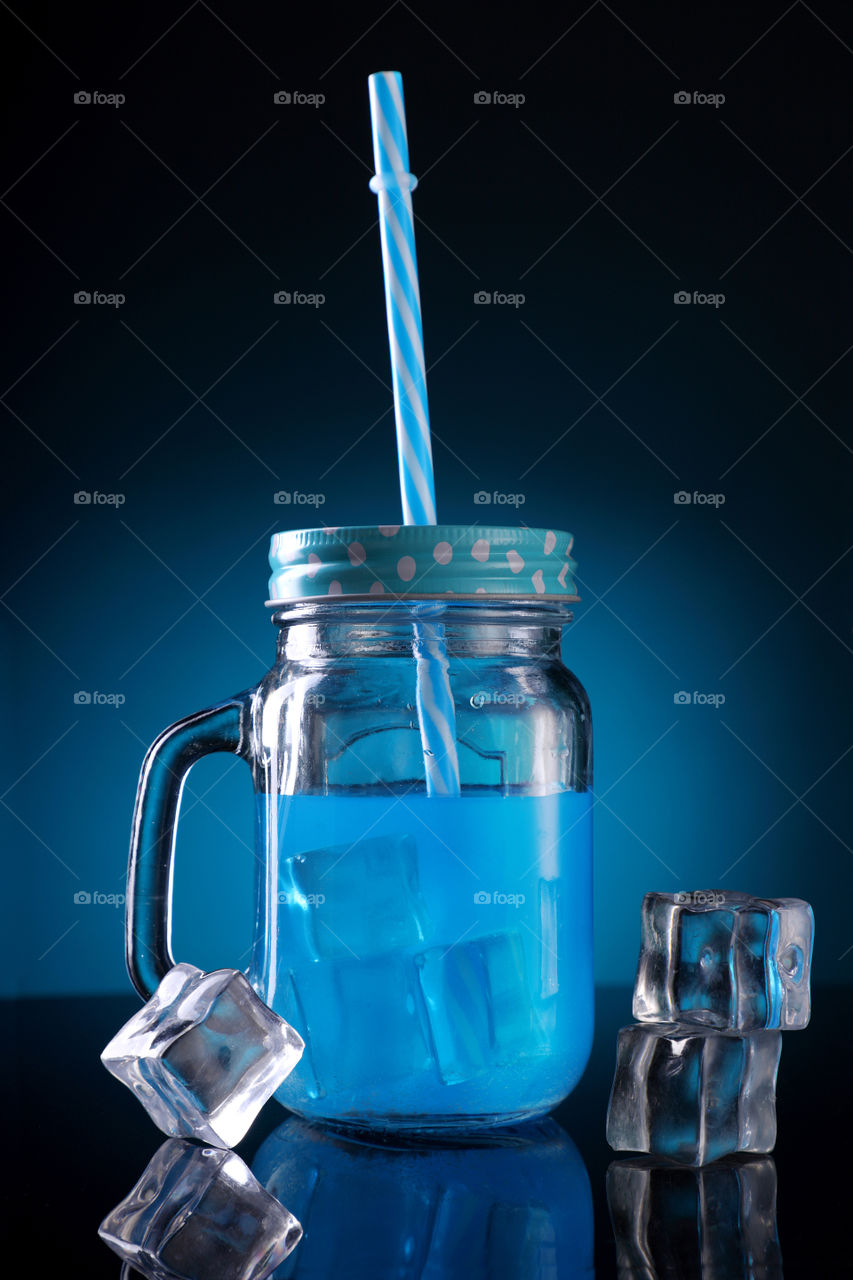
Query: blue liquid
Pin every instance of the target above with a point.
(435, 954)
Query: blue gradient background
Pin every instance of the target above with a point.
(162, 600)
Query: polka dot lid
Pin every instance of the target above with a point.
(421, 560)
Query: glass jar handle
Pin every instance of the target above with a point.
(148, 920)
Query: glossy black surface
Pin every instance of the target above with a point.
(81, 1141)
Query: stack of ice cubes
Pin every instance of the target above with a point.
(720, 976)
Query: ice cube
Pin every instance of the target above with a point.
(199, 1213)
(330, 1001)
(480, 1004)
(204, 1054)
(693, 1094)
(304, 1075)
(358, 900)
(452, 983)
(716, 1222)
(549, 919)
(725, 960)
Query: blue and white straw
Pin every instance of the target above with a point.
(393, 184)
(434, 701)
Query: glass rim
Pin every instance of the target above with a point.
(481, 606)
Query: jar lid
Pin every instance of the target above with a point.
(402, 561)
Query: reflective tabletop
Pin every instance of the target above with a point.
(545, 1201)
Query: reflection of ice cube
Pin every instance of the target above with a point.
(204, 1054)
(693, 1094)
(198, 1213)
(479, 1004)
(725, 960)
(361, 899)
(715, 1222)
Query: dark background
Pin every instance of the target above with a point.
(595, 400)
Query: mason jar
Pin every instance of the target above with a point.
(422, 765)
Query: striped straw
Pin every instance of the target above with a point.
(393, 184)
(436, 713)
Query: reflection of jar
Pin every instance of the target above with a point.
(434, 951)
(517, 1206)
